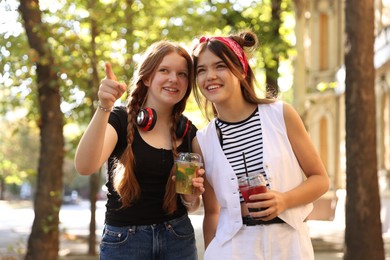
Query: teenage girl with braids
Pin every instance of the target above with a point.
(274, 141)
(145, 218)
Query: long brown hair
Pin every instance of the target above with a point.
(248, 42)
(125, 182)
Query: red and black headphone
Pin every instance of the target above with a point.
(147, 118)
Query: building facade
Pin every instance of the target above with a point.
(319, 93)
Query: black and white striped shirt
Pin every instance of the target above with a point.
(243, 139)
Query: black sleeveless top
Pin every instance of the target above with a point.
(152, 170)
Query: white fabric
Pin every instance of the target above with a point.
(280, 165)
(264, 242)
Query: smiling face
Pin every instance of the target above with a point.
(169, 83)
(215, 80)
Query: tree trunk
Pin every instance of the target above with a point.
(363, 233)
(94, 181)
(43, 242)
(130, 38)
(2, 188)
(272, 73)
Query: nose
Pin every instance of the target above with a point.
(211, 74)
(172, 77)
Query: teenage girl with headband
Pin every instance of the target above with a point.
(272, 138)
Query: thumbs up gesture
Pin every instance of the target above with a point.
(110, 89)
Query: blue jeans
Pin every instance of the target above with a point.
(171, 240)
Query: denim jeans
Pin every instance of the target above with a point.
(171, 240)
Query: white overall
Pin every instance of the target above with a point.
(233, 240)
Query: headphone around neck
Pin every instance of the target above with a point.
(147, 118)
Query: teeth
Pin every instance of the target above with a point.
(212, 87)
(171, 89)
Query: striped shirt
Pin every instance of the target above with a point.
(242, 143)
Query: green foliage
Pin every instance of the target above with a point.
(19, 145)
(85, 34)
(9, 172)
(323, 86)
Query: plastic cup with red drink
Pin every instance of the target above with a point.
(250, 185)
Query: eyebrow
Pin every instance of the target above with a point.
(215, 64)
(168, 66)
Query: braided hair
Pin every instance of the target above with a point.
(125, 181)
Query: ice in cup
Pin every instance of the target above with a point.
(186, 166)
(252, 184)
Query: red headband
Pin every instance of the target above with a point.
(233, 45)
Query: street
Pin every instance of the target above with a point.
(16, 219)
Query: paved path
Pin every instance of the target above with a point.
(327, 236)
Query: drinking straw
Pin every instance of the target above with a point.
(246, 169)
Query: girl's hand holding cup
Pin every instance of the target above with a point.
(189, 180)
(198, 188)
(197, 182)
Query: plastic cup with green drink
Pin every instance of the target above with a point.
(186, 166)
